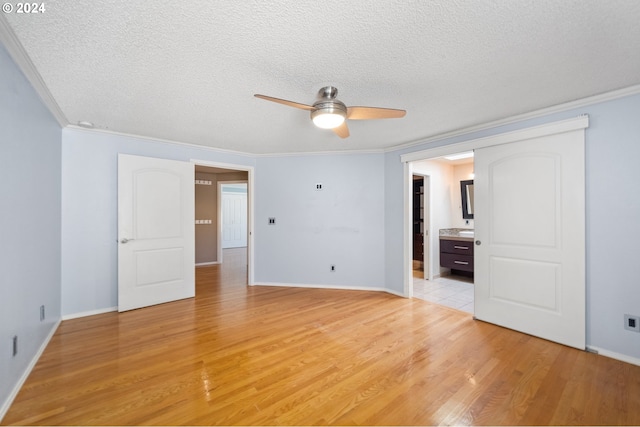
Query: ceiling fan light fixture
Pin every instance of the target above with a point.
(328, 120)
(329, 116)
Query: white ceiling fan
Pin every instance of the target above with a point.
(330, 113)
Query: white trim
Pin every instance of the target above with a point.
(614, 355)
(16, 388)
(580, 103)
(234, 167)
(204, 264)
(329, 153)
(580, 122)
(21, 58)
(334, 287)
(74, 127)
(162, 140)
(89, 313)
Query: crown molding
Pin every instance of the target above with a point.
(580, 103)
(160, 140)
(21, 58)
(216, 149)
(561, 126)
(322, 153)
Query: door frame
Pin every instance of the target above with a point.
(250, 211)
(576, 123)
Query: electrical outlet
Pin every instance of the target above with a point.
(272, 221)
(15, 345)
(42, 316)
(632, 323)
(333, 267)
(319, 186)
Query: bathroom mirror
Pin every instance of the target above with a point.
(466, 189)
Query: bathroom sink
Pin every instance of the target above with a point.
(466, 233)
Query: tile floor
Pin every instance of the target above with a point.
(452, 291)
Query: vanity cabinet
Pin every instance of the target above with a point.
(457, 254)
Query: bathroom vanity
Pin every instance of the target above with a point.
(456, 249)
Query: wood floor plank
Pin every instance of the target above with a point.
(240, 355)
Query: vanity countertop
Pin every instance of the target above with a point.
(454, 234)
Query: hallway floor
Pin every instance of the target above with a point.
(451, 291)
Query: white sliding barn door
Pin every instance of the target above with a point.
(156, 235)
(530, 236)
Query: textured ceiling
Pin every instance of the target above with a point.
(187, 71)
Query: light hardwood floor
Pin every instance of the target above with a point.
(238, 355)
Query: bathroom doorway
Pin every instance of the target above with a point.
(445, 276)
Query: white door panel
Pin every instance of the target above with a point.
(157, 210)
(156, 249)
(234, 220)
(529, 221)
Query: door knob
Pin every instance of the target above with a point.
(478, 242)
(125, 240)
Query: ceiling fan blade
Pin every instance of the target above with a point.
(368, 113)
(342, 131)
(285, 102)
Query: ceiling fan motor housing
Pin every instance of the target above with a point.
(328, 92)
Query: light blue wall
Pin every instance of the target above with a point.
(90, 210)
(612, 217)
(343, 224)
(393, 222)
(29, 223)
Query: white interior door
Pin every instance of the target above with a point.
(530, 237)
(234, 220)
(156, 232)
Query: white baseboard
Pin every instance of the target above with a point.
(89, 313)
(336, 287)
(203, 264)
(614, 355)
(7, 403)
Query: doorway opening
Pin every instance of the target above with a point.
(420, 225)
(224, 216)
(442, 262)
